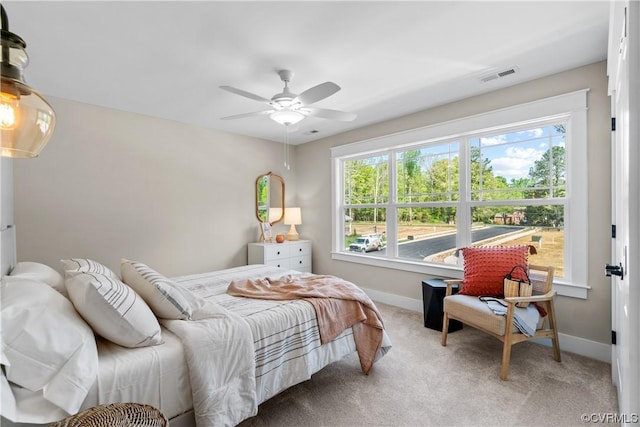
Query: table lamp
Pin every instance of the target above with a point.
(293, 217)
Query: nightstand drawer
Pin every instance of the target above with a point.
(301, 263)
(300, 249)
(276, 252)
(282, 263)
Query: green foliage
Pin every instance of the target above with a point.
(263, 199)
(548, 174)
(367, 181)
(433, 177)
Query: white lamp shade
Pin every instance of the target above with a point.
(292, 216)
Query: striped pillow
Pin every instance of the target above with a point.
(163, 295)
(113, 309)
(84, 265)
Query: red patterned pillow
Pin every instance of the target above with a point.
(486, 266)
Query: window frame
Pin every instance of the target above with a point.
(570, 107)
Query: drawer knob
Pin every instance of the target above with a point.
(278, 252)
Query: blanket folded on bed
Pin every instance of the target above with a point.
(339, 304)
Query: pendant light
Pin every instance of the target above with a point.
(26, 119)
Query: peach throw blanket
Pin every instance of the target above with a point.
(338, 303)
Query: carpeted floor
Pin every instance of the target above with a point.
(421, 383)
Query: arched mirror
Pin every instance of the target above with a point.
(270, 198)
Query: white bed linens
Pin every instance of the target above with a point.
(155, 375)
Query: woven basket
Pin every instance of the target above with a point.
(116, 415)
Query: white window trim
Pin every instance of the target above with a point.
(573, 103)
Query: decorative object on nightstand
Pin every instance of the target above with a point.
(265, 232)
(293, 217)
(294, 255)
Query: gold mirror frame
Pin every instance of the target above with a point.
(267, 196)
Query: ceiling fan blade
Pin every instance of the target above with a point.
(317, 93)
(242, 116)
(245, 94)
(324, 113)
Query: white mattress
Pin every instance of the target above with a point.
(156, 375)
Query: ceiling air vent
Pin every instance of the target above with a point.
(503, 73)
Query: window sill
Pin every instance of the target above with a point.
(446, 271)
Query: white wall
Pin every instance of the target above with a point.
(588, 319)
(112, 184)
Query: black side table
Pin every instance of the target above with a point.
(433, 292)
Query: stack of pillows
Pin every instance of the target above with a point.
(124, 311)
(48, 321)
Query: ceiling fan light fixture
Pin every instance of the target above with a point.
(287, 108)
(287, 117)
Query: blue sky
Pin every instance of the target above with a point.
(513, 154)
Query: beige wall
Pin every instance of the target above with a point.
(112, 184)
(589, 319)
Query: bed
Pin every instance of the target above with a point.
(212, 369)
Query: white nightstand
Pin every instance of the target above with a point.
(295, 255)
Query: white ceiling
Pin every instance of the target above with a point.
(168, 59)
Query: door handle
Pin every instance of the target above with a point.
(615, 270)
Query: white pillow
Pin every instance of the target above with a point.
(40, 273)
(113, 309)
(47, 346)
(84, 265)
(162, 294)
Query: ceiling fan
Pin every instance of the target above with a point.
(287, 108)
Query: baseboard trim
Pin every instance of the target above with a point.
(569, 343)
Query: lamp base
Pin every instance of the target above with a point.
(293, 233)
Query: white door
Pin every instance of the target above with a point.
(623, 59)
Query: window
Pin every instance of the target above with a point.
(513, 176)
